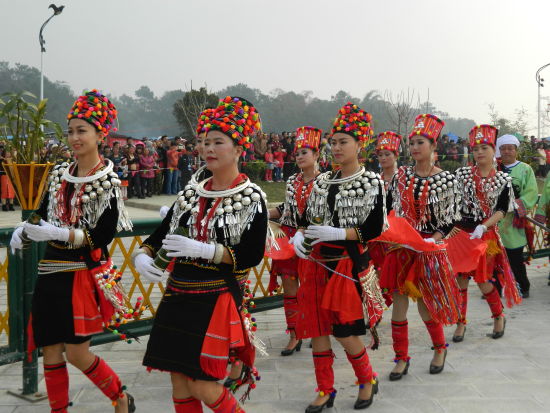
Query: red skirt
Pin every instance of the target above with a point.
(493, 263)
(313, 320)
(416, 269)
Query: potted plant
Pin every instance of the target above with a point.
(22, 125)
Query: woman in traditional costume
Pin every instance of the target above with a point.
(291, 214)
(426, 199)
(77, 291)
(487, 196)
(346, 208)
(223, 225)
(387, 151)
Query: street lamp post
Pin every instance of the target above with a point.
(540, 83)
(56, 11)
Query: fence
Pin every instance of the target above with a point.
(17, 277)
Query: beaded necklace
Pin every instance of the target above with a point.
(353, 203)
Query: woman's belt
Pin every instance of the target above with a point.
(187, 286)
(53, 266)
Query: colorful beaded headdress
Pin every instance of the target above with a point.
(428, 126)
(483, 134)
(388, 141)
(355, 122)
(96, 109)
(307, 137)
(203, 118)
(236, 117)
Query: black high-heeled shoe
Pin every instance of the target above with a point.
(459, 339)
(290, 351)
(131, 403)
(499, 334)
(438, 369)
(397, 376)
(328, 404)
(361, 404)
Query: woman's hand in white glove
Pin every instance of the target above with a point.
(46, 232)
(180, 246)
(478, 232)
(16, 243)
(429, 240)
(322, 233)
(144, 266)
(298, 241)
(164, 211)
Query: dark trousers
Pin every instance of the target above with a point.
(515, 257)
(147, 186)
(134, 186)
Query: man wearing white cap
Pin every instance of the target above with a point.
(512, 227)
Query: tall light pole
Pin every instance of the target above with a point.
(540, 83)
(56, 11)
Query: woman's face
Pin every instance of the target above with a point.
(83, 138)
(483, 154)
(200, 145)
(219, 151)
(421, 148)
(146, 152)
(306, 158)
(131, 150)
(387, 159)
(344, 148)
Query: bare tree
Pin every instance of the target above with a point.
(401, 112)
(188, 108)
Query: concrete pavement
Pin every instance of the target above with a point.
(481, 374)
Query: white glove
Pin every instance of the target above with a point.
(16, 243)
(298, 241)
(164, 211)
(322, 233)
(144, 266)
(180, 246)
(46, 232)
(429, 240)
(478, 232)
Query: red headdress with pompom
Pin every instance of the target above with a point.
(308, 137)
(96, 109)
(428, 126)
(388, 141)
(355, 122)
(483, 134)
(236, 117)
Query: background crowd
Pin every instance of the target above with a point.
(163, 165)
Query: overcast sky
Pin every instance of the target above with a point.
(469, 53)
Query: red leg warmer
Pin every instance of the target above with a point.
(323, 371)
(361, 366)
(495, 303)
(189, 405)
(291, 311)
(400, 336)
(463, 305)
(437, 334)
(105, 379)
(57, 385)
(226, 403)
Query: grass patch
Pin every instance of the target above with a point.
(275, 191)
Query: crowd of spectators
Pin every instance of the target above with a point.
(164, 165)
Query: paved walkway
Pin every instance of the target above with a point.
(481, 375)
